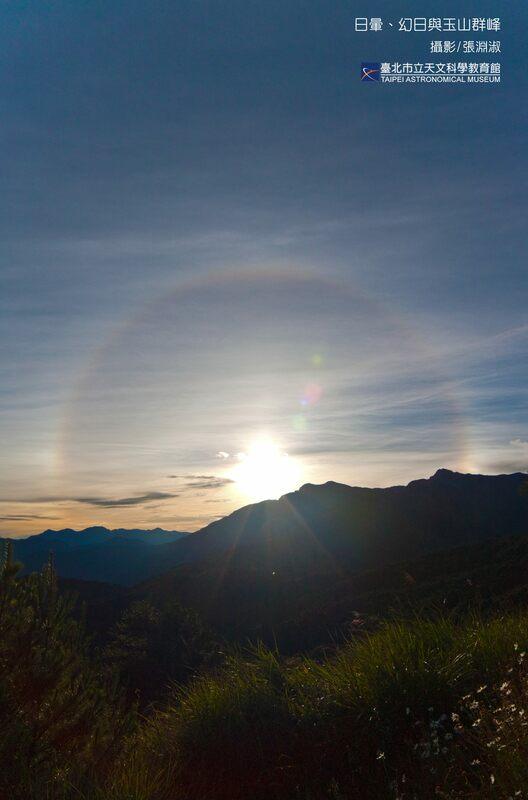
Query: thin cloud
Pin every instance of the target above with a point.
(191, 477)
(25, 517)
(140, 500)
(191, 519)
(507, 467)
(99, 502)
(209, 482)
(202, 481)
(218, 500)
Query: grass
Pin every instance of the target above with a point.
(374, 721)
(421, 708)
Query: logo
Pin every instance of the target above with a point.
(370, 71)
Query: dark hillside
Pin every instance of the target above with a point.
(328, 529)
(302, 613)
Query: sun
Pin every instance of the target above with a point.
(265, 472)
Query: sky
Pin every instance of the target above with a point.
(229, 267)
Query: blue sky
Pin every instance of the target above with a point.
(213, 233)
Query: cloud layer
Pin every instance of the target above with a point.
(212, 230)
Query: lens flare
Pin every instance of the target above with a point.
(311, 395)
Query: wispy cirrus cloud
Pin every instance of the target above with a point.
(139, 500)
(513, 458)
(202, 481)
(25, 517)
(507, 467)
(99, 502)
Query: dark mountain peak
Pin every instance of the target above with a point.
(100, 532)
(469, 485)
(308, 488)
(450, 475)
(445, 474)
(441, 477)
(319, 488)
(50, 534)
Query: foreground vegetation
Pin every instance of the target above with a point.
(419, 708)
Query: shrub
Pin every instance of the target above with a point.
(152, 646)
(61, 719)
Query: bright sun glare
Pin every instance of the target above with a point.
(265, 472)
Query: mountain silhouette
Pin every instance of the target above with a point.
(97, 553)
(282, 560)
(336, 526)
(330, 529)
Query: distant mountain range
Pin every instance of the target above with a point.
(330, 529)
(97, 553)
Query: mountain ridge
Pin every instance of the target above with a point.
(118, 555)
(51, 533)
(330, 526)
